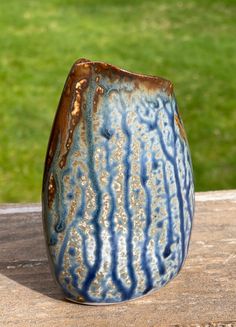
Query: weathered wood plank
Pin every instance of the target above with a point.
(204, 293)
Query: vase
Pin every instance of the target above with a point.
(118, 193)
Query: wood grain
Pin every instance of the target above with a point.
(203, 294)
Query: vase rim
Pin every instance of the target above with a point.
(145, 77)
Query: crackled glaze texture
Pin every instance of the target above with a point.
(118, 192)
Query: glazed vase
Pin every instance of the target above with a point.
(118, 193)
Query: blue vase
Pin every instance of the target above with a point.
(118, 194)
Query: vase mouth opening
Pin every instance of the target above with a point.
(101, 66)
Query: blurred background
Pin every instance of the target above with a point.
(190, 42)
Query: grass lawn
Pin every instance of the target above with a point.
(191, 42)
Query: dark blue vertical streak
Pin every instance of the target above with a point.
(144, 255)
(98, 193)
(127, 175)
(172, 160)
(74, 275)
(113, 238)
(175, 109)
(61, 207)
(59, 266)
(188, 170)
(160, 263)
(191, 178)
(61, 213)
(167, 250)
(178, 186)
(187, 187)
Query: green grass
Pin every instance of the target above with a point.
(191, 42)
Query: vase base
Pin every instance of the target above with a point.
(111, 303)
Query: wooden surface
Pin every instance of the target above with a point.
(203, 294)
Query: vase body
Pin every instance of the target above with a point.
(118, 194)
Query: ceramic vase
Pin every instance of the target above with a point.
(118, 194)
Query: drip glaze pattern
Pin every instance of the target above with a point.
(118, 194)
